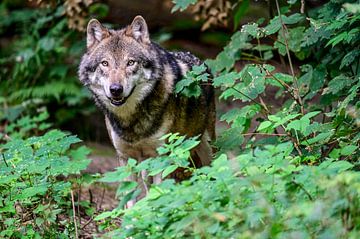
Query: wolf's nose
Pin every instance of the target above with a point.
(116, 90)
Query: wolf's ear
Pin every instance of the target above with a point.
(95, 33)
(139, 30)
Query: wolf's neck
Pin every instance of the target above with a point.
(145, 119)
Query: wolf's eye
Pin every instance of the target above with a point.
(130, 63)
(104, 63)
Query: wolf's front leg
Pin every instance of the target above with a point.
(122, 163)
(141, 179)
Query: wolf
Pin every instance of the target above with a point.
(132, 81)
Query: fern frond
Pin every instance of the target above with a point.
(54, 89)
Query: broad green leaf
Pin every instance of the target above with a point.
(339, 166)
(348, 149)
(338, 84)
(125, 186)
(119, 175)
(264, 125)
(320, 138)
(226, 80)
(169, 170)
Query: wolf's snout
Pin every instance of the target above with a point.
(116, 90)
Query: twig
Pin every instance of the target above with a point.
(251, 57)
(265, 134)
(283, 83)
(302, 8)
(295, 141)
(87, 223)
(297, 148)
(74, 213)
(101, 200)
(78, 203)
(143, 179)
(258, 42)
(263, 104)
(252, 100)
(302, 187)
(284, 31)
(3, 156)
(192, 162)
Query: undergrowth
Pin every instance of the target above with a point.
(294, 170)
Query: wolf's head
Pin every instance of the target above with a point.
(120, 65)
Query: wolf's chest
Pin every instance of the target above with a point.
(136, 141)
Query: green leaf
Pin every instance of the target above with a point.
(30, 192)
(264, 125)
(349, 58)
(337, 39)
(227, 80)
(339, 166)
(311, 114)
(230, 138)
(119, 175)
(47, 43)
(337, 84)
(125, 187)
(275, 23)
(348, 149)
(169, 170)
(320, 138)
(182, 4)
(240, 11)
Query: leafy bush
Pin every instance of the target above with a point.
(294, 173)
(39, 57)
(34, 196)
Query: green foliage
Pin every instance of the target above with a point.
(293, 172)
(182, 4)
(172, 155)
(189, 86)
(284, 169)
(34, 195)
(266, 195)
(39, 59)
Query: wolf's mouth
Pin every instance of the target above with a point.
(118, 101)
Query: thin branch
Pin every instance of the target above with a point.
(78, 202)
(251, 57)
(304, 189)
(3, 156)
(252, 100)
(283, 83)
(265, 134)
(302, 8)
(263, 104)
(260, 52)
(87, 223)
(143, 179)
(101, 200)
(74, 214)
(284, 31)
